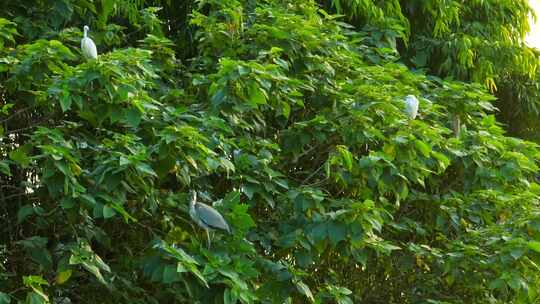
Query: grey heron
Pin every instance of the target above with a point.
(206, 217)
(88, 47)
(411, 106)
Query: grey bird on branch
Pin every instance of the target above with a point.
(206, 217)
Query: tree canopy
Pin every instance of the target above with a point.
(480, 41)
(290, 121)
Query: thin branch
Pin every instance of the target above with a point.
(36, 124)
(313, 174)
(5, 198)
(304, 153)
(15, 114)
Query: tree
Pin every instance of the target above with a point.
(480, 41)
(291, 122)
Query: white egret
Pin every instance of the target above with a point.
(206, 217)
(88, 47)
(411, 106)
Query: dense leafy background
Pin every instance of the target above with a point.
(477, 40)
(286, 118)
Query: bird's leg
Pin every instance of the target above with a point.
(208, 237)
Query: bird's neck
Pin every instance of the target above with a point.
(192, 208)
(85, 33)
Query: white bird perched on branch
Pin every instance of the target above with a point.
(206, 217)
(88, 47)
(411, 106)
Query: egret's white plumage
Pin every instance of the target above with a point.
(88, 47)
(411, 106)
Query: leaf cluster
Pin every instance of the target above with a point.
(285, 119)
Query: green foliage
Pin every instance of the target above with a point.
(480, 41)
(284, 118)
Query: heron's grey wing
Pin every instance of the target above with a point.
(211, 217)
